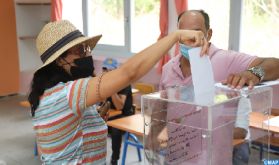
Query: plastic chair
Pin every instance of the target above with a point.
(134, 142)
(262, 144)
(144, 88)
(35, 149)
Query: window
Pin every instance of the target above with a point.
(145, 24)
(219, 14)
(127, 26)
(76, 18)
(107, 19)
(259, 30)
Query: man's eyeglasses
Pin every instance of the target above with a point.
(82, 50)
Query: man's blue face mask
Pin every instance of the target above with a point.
(184, 49)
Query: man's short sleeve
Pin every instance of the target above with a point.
(225, 63)
(76, 95)
(239, 62)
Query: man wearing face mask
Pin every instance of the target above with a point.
(122, 101)
(232, 68)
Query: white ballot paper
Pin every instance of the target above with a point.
(262, 84)
(202, 77)
(273, 121)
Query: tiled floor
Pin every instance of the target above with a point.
(17, 136)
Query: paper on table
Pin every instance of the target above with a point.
(273, 121)
(202, 76)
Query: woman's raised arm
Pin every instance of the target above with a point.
(103, 86)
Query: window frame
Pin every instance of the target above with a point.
(112, 50)
(235, 25)
(125, 51)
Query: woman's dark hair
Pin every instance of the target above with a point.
(43, 79)
(202, 12)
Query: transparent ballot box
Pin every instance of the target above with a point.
(181, 129)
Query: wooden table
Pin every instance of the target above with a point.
(25, 104)
(134, 91)
(130, 123)
(257, 119)
(113, 112)
(134, 124)
(275, 111)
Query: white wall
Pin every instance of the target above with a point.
(73, 6)
(30, 19)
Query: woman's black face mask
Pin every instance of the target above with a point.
(84, 67)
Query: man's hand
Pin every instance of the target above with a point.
(241, 79)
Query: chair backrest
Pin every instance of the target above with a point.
(144, 88)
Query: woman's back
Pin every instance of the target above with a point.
(66, 131)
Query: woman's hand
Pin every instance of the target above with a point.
(194, 38)
(103, 110)
(104, 86)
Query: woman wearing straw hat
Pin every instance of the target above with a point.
(64, 91)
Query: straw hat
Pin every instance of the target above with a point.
(57, 37)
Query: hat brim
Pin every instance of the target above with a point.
(91, 41)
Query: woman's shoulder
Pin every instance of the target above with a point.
(64, 85)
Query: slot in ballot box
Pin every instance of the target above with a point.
(178, 129)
